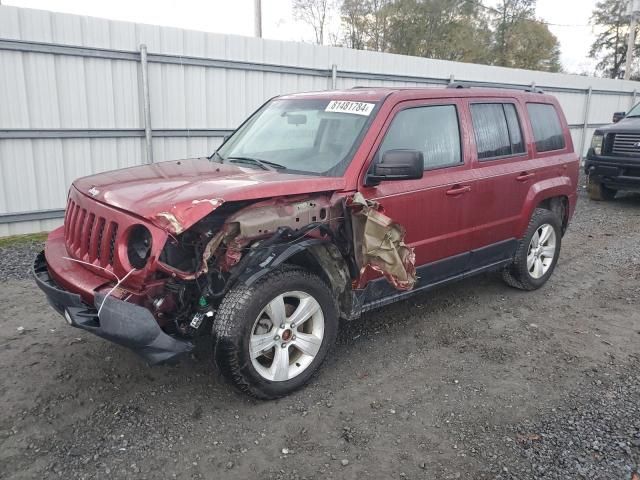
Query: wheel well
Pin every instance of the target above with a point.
(558, 205)
(327, 262)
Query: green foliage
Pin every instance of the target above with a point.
(22, 239)
(444, 29)
(459, 30)
(610, 46)
(522, 41)
(530, 45)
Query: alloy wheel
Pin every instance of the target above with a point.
(286, 336)
(542, 250)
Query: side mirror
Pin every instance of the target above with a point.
(617, 116)
(397, 165)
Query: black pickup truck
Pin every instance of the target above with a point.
(613, 160)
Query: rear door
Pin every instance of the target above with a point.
(504, 172)
(435, 210)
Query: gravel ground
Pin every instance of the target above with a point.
(475, 381)
(16, 259)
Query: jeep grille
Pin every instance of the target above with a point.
(88, 236)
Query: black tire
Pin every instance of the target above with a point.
(599, 192)
(235, 319)
(517, 274)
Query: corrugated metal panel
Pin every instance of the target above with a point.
(72, 91)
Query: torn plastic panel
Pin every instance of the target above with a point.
(379, 244)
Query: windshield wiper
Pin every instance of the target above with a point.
(264, 164)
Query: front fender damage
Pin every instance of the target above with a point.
(379, 244)
(343, 238)
(183, 215)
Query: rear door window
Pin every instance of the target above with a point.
(433, 130)
(497, 130)
(547, 129)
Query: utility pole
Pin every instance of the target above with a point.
(633, 8)
(257, 12)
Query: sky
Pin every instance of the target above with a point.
(236, 16)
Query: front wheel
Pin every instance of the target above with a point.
(272, 336)
(537, 252)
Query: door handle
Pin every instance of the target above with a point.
(524, 176)
(458, 190)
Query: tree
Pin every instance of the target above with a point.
(534, 47)
(461, 30)
(365, 23)
(610, 45)
(379, 25)
(313, 13)
(509, 16)
(355, 20)
(443, 29)
(521, 40)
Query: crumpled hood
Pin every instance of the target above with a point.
(174, 195)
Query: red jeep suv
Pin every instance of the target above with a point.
(319, 207)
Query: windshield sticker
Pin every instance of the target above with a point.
(343, 106)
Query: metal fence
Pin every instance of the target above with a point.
(80, 95)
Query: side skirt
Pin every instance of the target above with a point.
(379, 292)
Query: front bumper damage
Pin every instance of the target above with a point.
(121, 322)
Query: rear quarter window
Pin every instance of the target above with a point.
(547, 129)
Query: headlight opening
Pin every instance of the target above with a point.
(139, 246)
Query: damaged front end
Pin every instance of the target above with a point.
(181, 271)
(238, 241)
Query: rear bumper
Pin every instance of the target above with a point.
(616, 173)
(120, 322)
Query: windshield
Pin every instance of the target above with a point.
(300, 136)
(634, 112)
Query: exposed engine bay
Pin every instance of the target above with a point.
(337, 237)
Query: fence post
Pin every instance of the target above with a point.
(334, 76)
(585, 124)
(148, 134)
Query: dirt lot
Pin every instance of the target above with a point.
(473, 381)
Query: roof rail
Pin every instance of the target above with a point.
(458, 85)
(532, 88)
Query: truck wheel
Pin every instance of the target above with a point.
(537, 252)
(599, 192)
(272, 336)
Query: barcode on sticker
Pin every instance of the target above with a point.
(343, 106)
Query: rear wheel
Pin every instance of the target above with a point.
(599, 191)
(537, 252)
(271, 337)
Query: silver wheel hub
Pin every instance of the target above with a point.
(542, 251)
(286, 336)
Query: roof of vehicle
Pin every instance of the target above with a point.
(375, 94)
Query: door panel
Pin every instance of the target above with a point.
(434, 210)
(502, 181)
(437, 222)
(502, 184)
